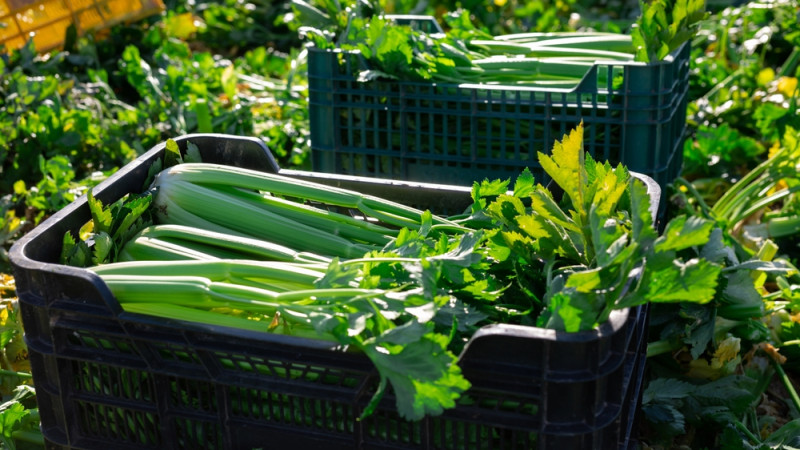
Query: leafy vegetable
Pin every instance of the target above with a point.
(465, 54)
(664, 25)
(407, 288)
(18, 422)
(88, 119)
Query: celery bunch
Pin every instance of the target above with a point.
(266, 252)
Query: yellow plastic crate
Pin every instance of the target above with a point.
(47, 20)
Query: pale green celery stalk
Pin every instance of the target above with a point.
(230, 212)
(616, 43)
(552, 51)
(269, 284)
(142, 248)
(763, 202)
(190, 291)
(322, 219)
(545, 36)
(517, 78)
(392, 218)
(590, 60)
(301, 297)
(177, 312)
(741, 201)
(783, 226)
(244, 247)
(193, 221)
(544, 72)
(560, 84)
(450, 229)
(183, 217)
(470, 78)
(775, 227)
(219, 270)
(215, 174)
(497, 47)
(202, 292)
(726, 202)
(456, 54)
(534, 66)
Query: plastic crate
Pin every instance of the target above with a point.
(455, 134)
(108, 378)
(48, 19)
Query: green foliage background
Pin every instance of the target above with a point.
(71, 117)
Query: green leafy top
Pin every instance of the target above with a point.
(113, 225)
(597, 245)
(664, 25)
(531, 259)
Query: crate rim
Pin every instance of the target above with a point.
(19, 259)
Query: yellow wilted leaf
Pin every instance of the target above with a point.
(780, 185)
(228, 80)
(565, 166)
(727, 351)
(774, 149)
(700, 368)
(180, 26)
(12, 222)
(6, 283)
(787, 86)
(765, 76)
(19, 187)
(773, 353)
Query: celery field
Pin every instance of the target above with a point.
(721, 273)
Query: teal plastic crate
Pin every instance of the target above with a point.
(455, 134)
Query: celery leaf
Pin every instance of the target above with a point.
(192, 153)
(691, 281)
(524, 184)
(683, 232)
(423, 374)
(565, 166)
(101, 216)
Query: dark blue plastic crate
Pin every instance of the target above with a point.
(106, 378)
